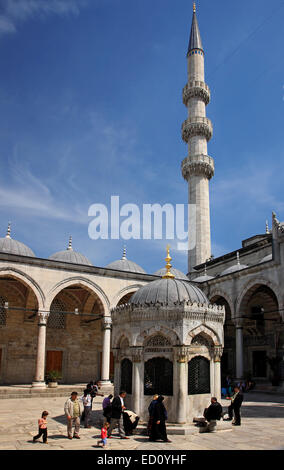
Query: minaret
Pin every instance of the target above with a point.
(197, 167)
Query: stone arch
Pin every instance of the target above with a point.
(205, 331)
(169, 334)
(121, 336)
(221, 293)
(123, 292)
(91, 286)
(256, 282)
(28, 281)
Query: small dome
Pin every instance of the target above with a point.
(235, 267)
(70, 256)
(124, 264)
(203, 278)
(8, 245)
(176, 272)
(167, 292)
(266, 258)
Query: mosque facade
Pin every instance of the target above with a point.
(119, 324)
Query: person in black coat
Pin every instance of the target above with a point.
(116, 419)
(235, 406)
(214, 411)
(158, 430)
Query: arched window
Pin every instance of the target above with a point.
(126, 376)
(57, 316)
(198, 376)
(3, 312)
(158, 376)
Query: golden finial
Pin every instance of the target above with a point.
(194, 7)
(168, 274)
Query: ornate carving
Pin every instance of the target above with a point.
(182, 353)
(217, 353)
(196, 89)
(42, 318)
(200, 340)
(157, 340)
(137, 353)
(197, 165)
(106, 323)
(197, 126)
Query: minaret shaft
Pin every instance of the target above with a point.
(197, 167)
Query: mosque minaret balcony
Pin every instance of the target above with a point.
(197, 165)
(197, 126)
(196, 89)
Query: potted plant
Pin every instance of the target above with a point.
(53, 376)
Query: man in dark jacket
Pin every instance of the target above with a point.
(116, 419)
(212, 414)
(235, 406)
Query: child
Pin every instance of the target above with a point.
(103, 440)
(42, 428)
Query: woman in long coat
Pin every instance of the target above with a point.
(158, 430)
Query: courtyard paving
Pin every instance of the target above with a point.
(262, 428)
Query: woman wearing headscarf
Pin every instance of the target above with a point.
(158, 430)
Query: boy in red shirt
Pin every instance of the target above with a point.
(103, 440)
(42, 428)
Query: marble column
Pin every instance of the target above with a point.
(116, 381)
(217, 371)
(239, 350)
(181, 363)
(39, 381)
(106, 328)
(137, 378)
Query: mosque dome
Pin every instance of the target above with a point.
(235, 267)
(124, 264)
(176, 272)
(205, 277)
(167, 291)
(9, 245)
(70, 256)
(266, 258)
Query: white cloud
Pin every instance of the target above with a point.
(15, 11)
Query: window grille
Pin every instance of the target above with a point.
(3, 312)
(126, 376)
(198, 376)
(56, 317)
(158, 376)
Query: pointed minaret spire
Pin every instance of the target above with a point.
(238, 258)
(70, 244)
(195, 37)
(9, 230)
(267, 227)
(198, 166)
(124, 253)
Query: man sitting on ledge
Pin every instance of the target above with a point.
(211, 414)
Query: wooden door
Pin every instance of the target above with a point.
(53, 361)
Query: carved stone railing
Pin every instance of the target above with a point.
(197, 126)
(196, 89)
(197, 165)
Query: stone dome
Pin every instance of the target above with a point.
(70, 256)
(9, 245)
(266, 258)
(176, 272)
(203, 278)
(167, 292)
(124, 264)
(235, 267)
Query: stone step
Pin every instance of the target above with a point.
(186, 430)
(60, 391)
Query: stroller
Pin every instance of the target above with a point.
(130, 421)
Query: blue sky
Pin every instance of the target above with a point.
(91, 106)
